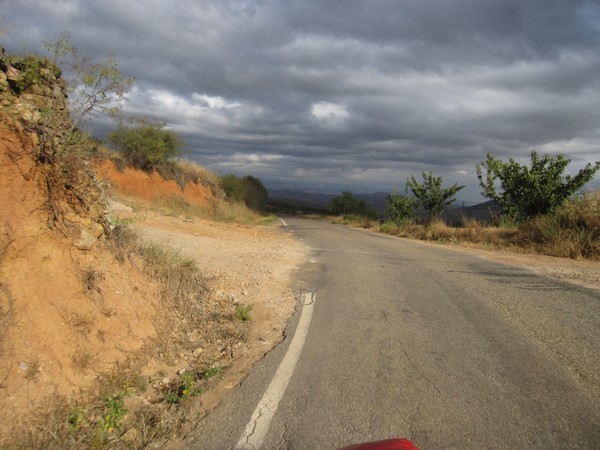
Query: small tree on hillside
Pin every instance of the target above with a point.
(146, 143)
(531, 191)
(431, 195)
(249, 190)
(89, 87)
(54, 107)
(347, 204)
(400, 207)
(255, 193)
(94, 87)
(233, 187)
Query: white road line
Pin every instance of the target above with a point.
(256, 429)
(283, 222)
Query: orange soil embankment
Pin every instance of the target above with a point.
(67, 316)
(151, 186)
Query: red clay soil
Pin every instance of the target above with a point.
(151, 186)
(66, 315)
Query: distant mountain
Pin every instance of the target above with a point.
(377, 200)
(292, 201)
(313, 198)
(319, 202)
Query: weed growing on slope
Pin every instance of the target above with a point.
(114, 410)
(184, 389)
(212, 372)
(242, 313)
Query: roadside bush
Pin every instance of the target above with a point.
(233, 187)
(527, 192)
(249, 190)
(255, 194)
(400, 208)
(571, 231)
(389, 227)
(437, 230)
(242, 313)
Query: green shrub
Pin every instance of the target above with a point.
(539, 189)
(255, 193)
(346, 204)
(400, 208)
(212, 372)
(249, 190)
(146, 144)
(431, 195)
(389, 227)
(185, 389)
(233, 187)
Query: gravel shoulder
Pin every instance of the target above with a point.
(579, 272)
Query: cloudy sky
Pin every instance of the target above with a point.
(353, 94)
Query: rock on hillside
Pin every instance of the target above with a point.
(46, 149)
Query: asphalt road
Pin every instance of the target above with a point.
(442, 347)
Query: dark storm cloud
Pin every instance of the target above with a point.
(351, 93)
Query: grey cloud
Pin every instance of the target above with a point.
(427, 85)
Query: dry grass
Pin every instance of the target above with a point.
(82, 323)
(90, 278)
(224, 211)
(6, 319)
(198, 172)
(217, 210)
(354, 221)
(82, 361)
(33, 370)
(572, 232)
(5, 240)
(184, 172)
(177, 205)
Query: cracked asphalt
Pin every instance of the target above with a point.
(445, 348)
